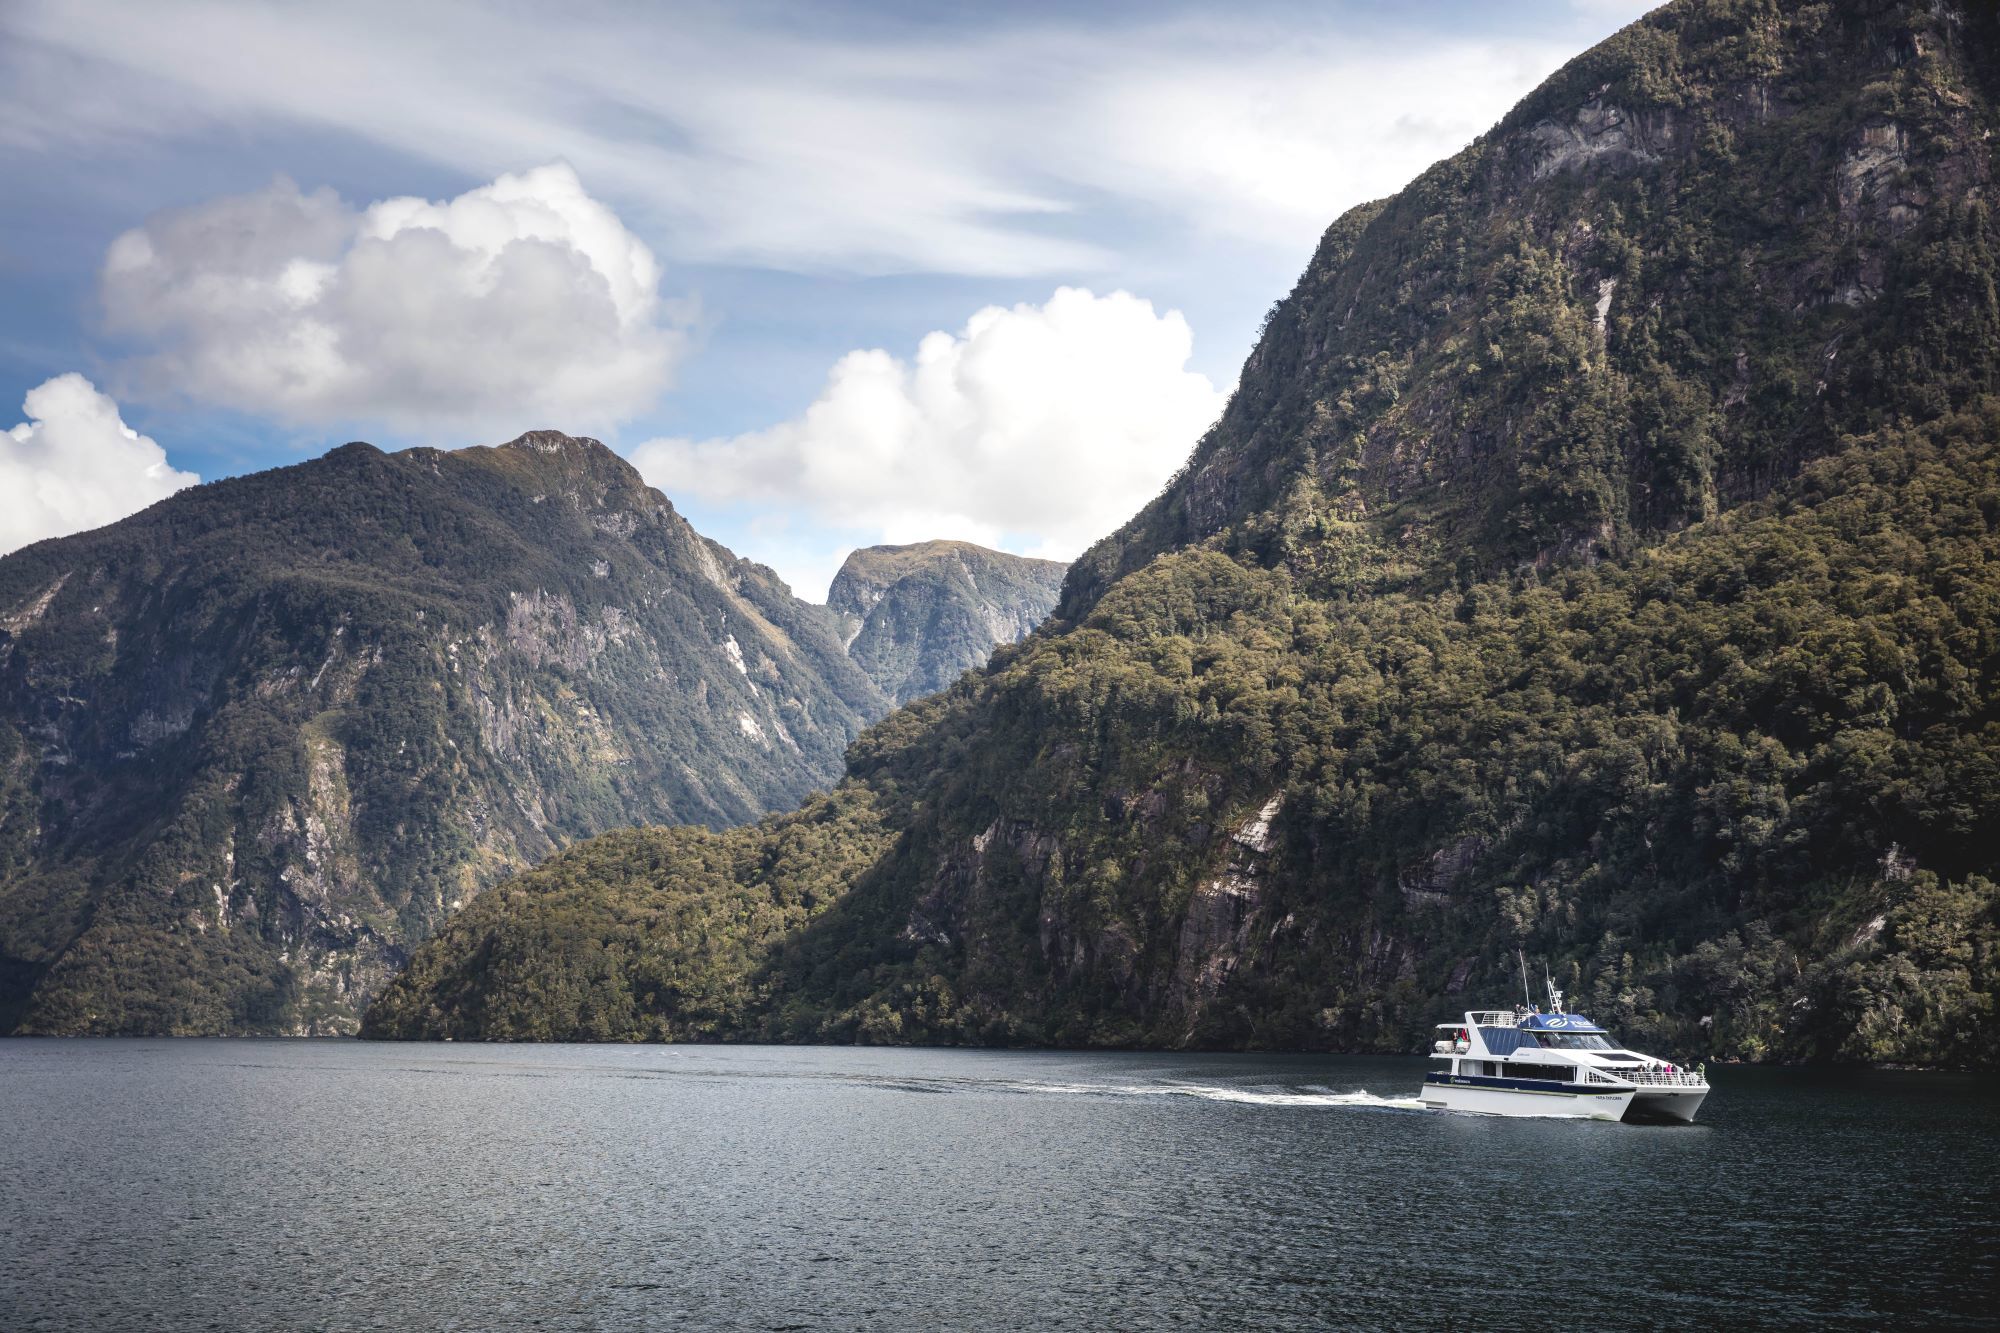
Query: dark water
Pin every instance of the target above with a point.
(254, 1184)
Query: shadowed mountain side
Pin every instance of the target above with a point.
(260, 737)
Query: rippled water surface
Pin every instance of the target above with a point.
(270, 1184)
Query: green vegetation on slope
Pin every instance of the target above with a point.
(671, 952)
(1598, 557)
(1742, 793)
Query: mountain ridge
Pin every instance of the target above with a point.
(369, 684)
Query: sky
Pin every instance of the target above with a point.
(828, 274)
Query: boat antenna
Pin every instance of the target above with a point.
(1555, 996)
(1527, 996)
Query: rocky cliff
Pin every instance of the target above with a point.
(916, 617)
(259, 739)
(1600, 557)
(1694, 258)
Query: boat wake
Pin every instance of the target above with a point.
(1308, 1095)
(1211, 1092)
(1361, 1099)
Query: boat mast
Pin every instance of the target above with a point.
(1527, 996)
(1555, 996)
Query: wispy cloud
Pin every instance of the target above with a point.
(785, 137)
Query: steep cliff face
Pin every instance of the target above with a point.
(916, 617)
(261, 737)
(1600, 557)
(1697, 256)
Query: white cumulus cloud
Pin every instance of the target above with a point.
(1036, 428)
(523, 301)
(74, 464)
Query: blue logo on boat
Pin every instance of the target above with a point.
(1559, 1023)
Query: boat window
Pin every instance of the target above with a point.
(1573, 1041)
(1530, 1069)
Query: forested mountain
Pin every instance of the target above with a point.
(916, 617)
(1599, 557)
(258, 738)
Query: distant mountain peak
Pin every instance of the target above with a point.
(915, 617)
(873, 561)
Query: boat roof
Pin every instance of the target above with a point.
(1559, 1023)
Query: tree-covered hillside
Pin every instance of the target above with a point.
(915, 617)
(1741, 793)
(1601, 556)
(257, 739)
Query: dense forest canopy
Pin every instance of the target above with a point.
(1691, 784)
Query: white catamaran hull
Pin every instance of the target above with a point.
(1522, 1102)
(1667, 1103)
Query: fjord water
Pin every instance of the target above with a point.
(154, 1184)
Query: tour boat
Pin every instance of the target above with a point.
(1534, 1064)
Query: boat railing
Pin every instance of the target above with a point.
(1493, 1018)
(1646, 1078)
